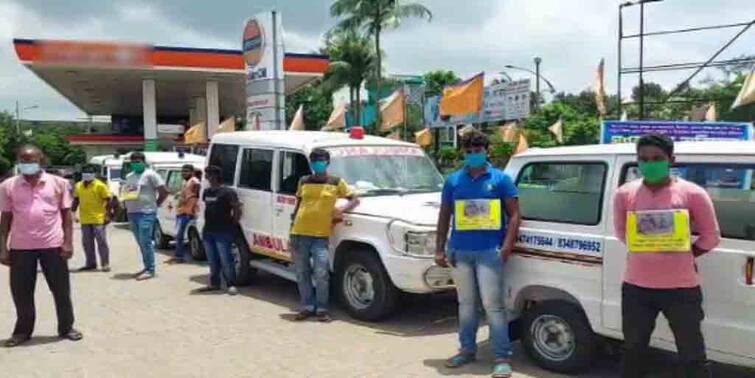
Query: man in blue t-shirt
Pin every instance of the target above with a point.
(482, 202)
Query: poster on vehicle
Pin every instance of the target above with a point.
(613, 132)
(501, 102)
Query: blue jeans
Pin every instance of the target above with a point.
(143, 227)
(306, 248)
(182, 222)
(478, 276)
(217, 245)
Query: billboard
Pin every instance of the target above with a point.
(501, 102)
(629, 131)
(262, 50)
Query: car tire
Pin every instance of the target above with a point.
(558, 337)
(358, 270)
(196, 247)
(242, 256)
(162, 241)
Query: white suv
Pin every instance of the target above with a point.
(382, 247)
(564, 280)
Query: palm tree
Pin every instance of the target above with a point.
(373, 16)
(353, 60)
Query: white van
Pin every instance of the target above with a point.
(564, 281)
(165, 164)
(166, 228)
(109, 170)
(383, 247)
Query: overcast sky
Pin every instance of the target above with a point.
(465, 36)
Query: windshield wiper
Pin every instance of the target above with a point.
(387, 191)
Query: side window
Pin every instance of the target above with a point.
(562, 192)
(293, 166)
(256, 169)
(225, 156)
(175, 181)
(730, 186)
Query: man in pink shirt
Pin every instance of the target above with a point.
(656, 217)
(36, 226)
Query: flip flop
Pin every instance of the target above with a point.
(502, 369)
(15, 341)
(460, 360)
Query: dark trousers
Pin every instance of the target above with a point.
(23, 280)
(684, 311)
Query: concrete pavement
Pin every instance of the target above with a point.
(162, 328)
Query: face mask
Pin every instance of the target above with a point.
(475, 160)
(319, 166)
(87, 177)
(654, 172)
(28, 169)
(138, 167)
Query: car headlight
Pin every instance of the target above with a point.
(420, 244)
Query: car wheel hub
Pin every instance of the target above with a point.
(552, 337)
(357, 285)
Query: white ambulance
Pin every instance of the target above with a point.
(564, 281)
(383, 247)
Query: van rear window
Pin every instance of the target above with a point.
(225, 156)
(730, 186)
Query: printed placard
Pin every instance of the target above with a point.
(656, 231)
(477, 214)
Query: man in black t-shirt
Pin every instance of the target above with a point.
(222, 213)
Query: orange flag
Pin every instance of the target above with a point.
(195, 134)
(463, 98)
(747, 93)
(337, 118)
(423, 138)
(509, 132)
(227, 126)
(522, 145)
(392, 110)
(298, 122)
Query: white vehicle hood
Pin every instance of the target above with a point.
(414, 208)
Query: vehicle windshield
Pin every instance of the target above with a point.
(385, 170)
(115, 174)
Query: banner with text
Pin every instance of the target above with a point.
(613, 132)
(501, 102)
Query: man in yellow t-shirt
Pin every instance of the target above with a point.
(312, 224)
(93, 200)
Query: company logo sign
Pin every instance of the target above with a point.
(253, 46)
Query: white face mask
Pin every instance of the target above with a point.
(28, 169)
(87, 176)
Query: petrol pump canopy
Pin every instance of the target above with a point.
(104, 78)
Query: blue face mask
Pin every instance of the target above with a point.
(319, 167)
(87, 177)
(28, 169)
(475, 160)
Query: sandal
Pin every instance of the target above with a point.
(459, 360)
(324, 317)
(15, 341)
(303, 315)
(72, 335)
(502, 369)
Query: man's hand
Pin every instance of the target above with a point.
(4, 256)
(440, 259)
(108, 218)
(66, 250)
(76, 218)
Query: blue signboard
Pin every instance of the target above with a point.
(629, 131)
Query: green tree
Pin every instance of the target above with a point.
(373, 17)
(317, 104)
(353, 60)
(435, 81)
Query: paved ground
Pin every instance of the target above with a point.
(160, 328)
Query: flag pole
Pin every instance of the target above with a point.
(403, 96)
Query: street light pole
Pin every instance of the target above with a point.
(18, 115)
(642, 49)
(537, 79)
